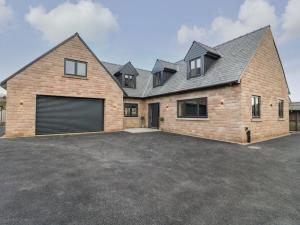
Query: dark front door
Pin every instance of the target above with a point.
(57, 115)
(153, 112)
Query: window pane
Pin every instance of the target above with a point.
(255, 106)
(70, 67)
(133, 111)
(281, 108)
(127, 111)
(195, 66)
(198, 63)
(192, 108)
(130, 110)
(129, 81)
(81, 69)
(202, 107)
(192, 64)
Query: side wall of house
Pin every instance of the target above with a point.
(264, 77)
(46, 77)
(134, 122)
(224, 114)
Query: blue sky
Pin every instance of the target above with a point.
(142, 31)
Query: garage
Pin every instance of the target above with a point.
(58, 115)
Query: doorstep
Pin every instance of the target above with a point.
(140, 130)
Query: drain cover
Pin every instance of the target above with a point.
(254, 147)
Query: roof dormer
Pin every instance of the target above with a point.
(162, 71)
(199, 58)
(127, 76)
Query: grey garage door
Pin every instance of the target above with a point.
(57, 115)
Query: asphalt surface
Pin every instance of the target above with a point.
(151, 178)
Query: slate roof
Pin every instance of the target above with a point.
(144, 76)
(169, 65)
(295, 106)
(235, 56)
(209, 49)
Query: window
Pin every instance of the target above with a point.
(192, 108)
(130, 110)
(129, 81)
(75, 68)
(195, 67)
(256, 106)
(281, 108)
(157, 79)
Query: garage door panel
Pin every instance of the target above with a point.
(57, 115)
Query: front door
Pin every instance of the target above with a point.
(153, 112)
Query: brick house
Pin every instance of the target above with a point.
(220, 92)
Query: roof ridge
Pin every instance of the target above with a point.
(165, 61)
(116, 64)
(242, 36)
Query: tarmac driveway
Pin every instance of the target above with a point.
(151, 178)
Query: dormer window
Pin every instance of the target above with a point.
(157, 79)
(129, 81)
(195, 66)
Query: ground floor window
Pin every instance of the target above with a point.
(192, 108)
(281, 108)
(130, 110)
(256, 106)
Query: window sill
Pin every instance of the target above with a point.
(75, 77)
(281, 119)
(256, 120)
(131, 117)
(191, 77)
(193, 119)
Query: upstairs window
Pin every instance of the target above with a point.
(192, 108)
(256, 104)
(157, 79)
(129, 81)
(130, 110)
(281, 109)
(75, 68)
(195, 67)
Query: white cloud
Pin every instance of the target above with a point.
(252, 15)
(291, 21)
(186, 34)
(93, 21)
(6, 15)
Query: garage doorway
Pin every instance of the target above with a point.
(294, 120)
(58, 115)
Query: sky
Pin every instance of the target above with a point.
(141, 31)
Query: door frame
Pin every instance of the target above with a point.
(150, 114)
